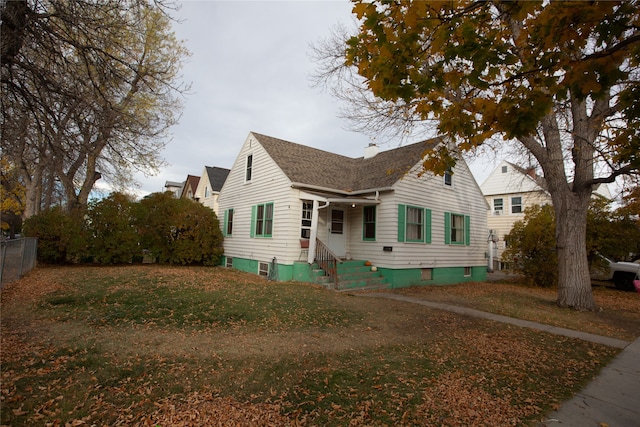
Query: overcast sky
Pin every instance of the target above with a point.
(250, 71)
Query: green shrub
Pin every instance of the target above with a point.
(61, 235)
(179, 231)
(113, 236)
(531, 247)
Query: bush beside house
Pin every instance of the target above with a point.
(115, 230)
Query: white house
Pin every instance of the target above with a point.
(174, 187)
(287, 208)
(209, 186)
(190, 186)
(509, 190)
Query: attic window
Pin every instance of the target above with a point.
(249, 168)
(448, 177)
(504, 169)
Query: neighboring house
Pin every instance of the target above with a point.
(509, 190)
(290, 206)
(190, 187)
(209, 186)
(174, 187)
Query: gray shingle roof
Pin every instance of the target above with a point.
(307, 165)
(217, 177)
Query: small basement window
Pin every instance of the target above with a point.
(426, 274)
(467, 272)
(263, 269)
(229, 262)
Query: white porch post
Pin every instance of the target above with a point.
(311, 253)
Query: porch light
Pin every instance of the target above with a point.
(353, 205)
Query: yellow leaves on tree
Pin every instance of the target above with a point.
(12, 193)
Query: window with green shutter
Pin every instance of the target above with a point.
(414, 224)
(228, 222)
(262, 220)
(457, 229)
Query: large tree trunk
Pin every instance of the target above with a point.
(574, 281)
(570, 203)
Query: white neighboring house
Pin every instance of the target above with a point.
(208, 188)
(174, 187)
(286, 207)
(509, 190)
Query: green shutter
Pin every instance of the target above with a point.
(467, 230)
(447, 228)
(427, 225)
(402, 212)
(226, 222)
(252, 232)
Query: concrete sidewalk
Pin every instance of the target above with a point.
(612, 399)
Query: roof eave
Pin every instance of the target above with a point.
(342, 192)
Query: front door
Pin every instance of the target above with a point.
(337, 232)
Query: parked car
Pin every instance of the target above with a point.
(622, 274)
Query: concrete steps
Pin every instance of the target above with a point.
(352, 275)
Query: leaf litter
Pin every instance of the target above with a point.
(62, 372)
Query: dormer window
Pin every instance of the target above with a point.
(249, 168)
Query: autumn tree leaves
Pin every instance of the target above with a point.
(558, 81)
(89, 90)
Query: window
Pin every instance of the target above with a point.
(369, 223)
(206, 191)
(467, 272)
(262, 220)
(426, 274)
(516, 204)
(228, 222)
(249, 169)
(448, 177)
(337, 221)
(229, 262)
(457, 229)
(307, 215)
(504, 169)
(414, 224)
(498, 206)
(263, 269)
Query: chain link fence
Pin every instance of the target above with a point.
(17, 258)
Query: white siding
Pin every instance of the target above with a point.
(427, 191)
(205, 195)
(268, 184)
(511, 181)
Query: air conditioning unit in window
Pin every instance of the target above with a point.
(497, 212)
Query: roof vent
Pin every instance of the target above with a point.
(371, 151)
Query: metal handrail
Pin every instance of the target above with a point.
(327, 260)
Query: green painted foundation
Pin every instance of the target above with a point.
(400, 278)
(403, 278)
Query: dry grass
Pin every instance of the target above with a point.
(618, 315)
(162, 346)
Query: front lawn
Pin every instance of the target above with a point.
(161, 346)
